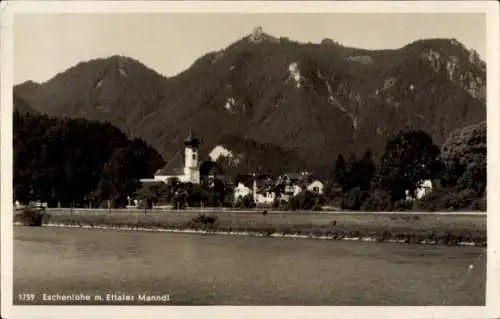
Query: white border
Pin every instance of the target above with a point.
(9, 9)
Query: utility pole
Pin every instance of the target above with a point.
(254, 191)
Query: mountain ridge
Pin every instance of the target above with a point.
(313, 100)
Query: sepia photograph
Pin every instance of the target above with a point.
(233, 156)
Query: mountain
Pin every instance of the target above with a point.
(23, 107)
(310, 101)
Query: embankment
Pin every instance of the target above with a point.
(425, 228)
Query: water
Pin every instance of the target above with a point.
(227, 270)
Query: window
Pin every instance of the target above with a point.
(194, 156)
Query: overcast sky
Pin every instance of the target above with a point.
(46, 44)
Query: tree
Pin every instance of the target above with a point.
(118, 178)
(354, 199)
(355, 173)
(351, 178)
(465, 156)
(339, 174)
(75, 161)
(409, 158)
(150, 193)
(179, 199)
(365, 170)
(378, 200)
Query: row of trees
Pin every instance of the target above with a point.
(457, 170)
(209, 194)
(84, 163)
(77, 162)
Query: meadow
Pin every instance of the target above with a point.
(451, 229)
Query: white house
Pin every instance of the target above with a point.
(241, 191)
(293, 190)
(315, 187)
(422, 190)
(259, 188)
(290, 191)
(267, 197)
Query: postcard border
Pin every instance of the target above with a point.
(7, 13)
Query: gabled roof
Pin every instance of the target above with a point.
(174, 167)
(245, 179)
(210, 168)
(292, 176)
(296, 176)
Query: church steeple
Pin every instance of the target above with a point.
(191, 161)
(191, 140)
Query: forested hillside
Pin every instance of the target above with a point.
(76, 161)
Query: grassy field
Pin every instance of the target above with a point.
(407, 227)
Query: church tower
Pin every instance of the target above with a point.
(191, 161)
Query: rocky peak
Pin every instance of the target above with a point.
(328, 41)
(454, 63)
(474, 58)
(258, 36)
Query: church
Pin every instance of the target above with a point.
(187, 167)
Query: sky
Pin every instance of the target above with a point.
(47, 44)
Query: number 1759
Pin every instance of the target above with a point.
(26, 297)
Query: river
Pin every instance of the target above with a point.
(198, 269)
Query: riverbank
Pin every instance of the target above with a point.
(456, 229)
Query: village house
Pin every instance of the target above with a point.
(422, 190)
(293, 184)
(242, 190)
(265, 198)
(258, 186)
(265, 190)
(315, 187)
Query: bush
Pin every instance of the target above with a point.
(145, 204)
(31, 217)
(451, 199)
(460, 200)
(354, 199)
(479, 205)
(245, 202)
(228, 200)
(202, 221)
(379, 200)
(179, 200)
(431, 202)
(306, 201)
(403, 205)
